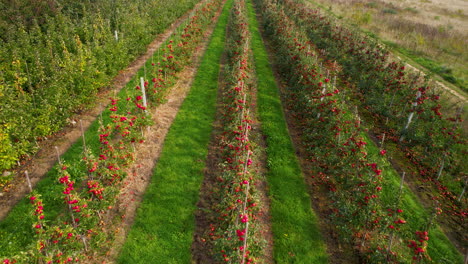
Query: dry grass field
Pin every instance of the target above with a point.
(437, 13)
(434, 31)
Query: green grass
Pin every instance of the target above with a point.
(164, 225)
(440, 249)
(297, 238)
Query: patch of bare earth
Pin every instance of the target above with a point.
(437, 12)
(38, 165)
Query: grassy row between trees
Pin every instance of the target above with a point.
(164, 225)
(297, 238)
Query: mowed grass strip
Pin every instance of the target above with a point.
(297, 238)
(164, 224)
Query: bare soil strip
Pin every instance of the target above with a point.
(38, 165)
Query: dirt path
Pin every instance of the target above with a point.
(38, 165)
